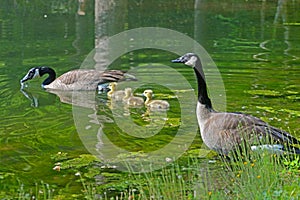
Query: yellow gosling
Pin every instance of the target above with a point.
(155, 104)
(113, 94)
(131, 100)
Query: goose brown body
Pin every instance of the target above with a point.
(84, 79)
(79, 79)
(224, 132)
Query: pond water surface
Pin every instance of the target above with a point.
(255, 44)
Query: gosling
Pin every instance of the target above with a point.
(155, 104)
(113, 94)
(131, 100)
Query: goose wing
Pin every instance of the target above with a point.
(239, 123)
(90, 76)
(85, 79)
(259, 126)
(114, 76)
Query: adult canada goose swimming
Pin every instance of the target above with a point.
(155, 104)
(115, 95)
(131, 100)
(222, 131)
(80, 79)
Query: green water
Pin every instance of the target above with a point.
(255, 44)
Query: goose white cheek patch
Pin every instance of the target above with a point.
(191, 61)
(29, 75)
(36, 74)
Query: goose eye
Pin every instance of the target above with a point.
(31, 73)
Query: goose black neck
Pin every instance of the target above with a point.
(202, 88)
(50, 72)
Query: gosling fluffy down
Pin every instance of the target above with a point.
(155, 104)
(131, 100)
(113, 94)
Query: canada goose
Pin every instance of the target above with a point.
(113, 94)
(131, 100)
(223, 131)
(154, 104)
(80, 79)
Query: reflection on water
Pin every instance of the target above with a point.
(31, 97)
(158, 133)
(97, 118)
(274, 43)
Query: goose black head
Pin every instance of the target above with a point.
(38, 72)
(189, 59)
(32, 73)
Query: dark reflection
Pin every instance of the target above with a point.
(38, 98)
(85, 99)
(31, 97)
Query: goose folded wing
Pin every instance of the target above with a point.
(261, 128)
(70, 77)
(250, 127)
(112, 76)
(90, 77)
(280, 135)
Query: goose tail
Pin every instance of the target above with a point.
(130, 77)
(294, 150)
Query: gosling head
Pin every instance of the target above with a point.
(189, 59)
(148, 93)
(112, 86)
(128, 91)
(31, 74)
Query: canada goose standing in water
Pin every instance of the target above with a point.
(80, 79)
(115, 95)
(154, 104)
(222, 131)
(131, 100)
